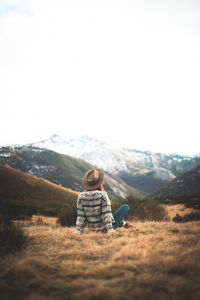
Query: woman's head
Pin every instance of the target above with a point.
(93, 179)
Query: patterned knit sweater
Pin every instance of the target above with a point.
(94, 210)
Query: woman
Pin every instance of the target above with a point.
(94, 206)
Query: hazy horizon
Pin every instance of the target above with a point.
(127, 71)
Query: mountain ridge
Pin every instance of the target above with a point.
(60, 169)
(135, 167)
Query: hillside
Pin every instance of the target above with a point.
(22, 189)
(157, 260)
(60, 169)
(147, 181)
(143, 170)
(185, 187)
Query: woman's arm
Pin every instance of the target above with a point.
(81, 219)
(107, 216)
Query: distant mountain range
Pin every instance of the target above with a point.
(184, 188)
(60, 169)
(143, 170)
(65, 161)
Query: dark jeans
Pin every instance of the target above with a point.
(119, 215)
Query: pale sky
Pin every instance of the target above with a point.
(125, 70)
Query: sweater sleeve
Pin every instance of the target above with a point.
(107, 216)
(81, 218)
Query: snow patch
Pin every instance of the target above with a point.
(39, 170)
(5, 154)
(164, 174)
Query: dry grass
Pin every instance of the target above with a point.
(19, 189)
(157, 260)
(180, 209)
(34, 220)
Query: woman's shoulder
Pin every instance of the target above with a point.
(94, 193)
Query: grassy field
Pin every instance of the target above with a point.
(157, 260)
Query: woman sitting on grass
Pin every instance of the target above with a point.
(94, 206)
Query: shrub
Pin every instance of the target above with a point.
(143, 210)
(51, 211)
(146, 210)
(12, 237)
(193, 216)
(16, 210)
(38, 222)
(68, 215)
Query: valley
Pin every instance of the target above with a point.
(128, 171)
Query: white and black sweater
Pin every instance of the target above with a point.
(94, 210)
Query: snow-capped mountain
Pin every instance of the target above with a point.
(112, 157)
(141, 169)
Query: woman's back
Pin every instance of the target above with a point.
(94, 210)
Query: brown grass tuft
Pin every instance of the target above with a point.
(180, 209)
